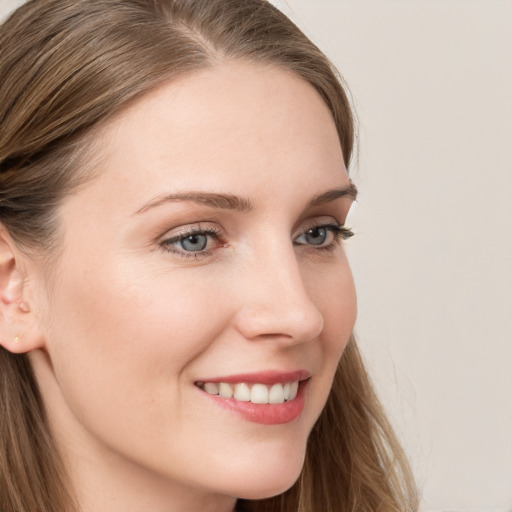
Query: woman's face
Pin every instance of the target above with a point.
(207, 250)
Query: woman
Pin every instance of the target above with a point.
(177, 307)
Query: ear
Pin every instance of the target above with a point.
(19, 328)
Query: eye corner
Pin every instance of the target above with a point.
(346, 232)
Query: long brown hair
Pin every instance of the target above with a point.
(66, 66)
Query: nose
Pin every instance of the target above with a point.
(274, 301)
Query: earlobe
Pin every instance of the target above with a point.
(18, 331)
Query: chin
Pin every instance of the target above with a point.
(268, 489)
(265, 481)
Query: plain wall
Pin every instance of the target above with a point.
(432, 85)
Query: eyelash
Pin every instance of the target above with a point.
(167, 244)
(340, 233)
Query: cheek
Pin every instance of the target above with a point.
(331, 288)
(135, 313)
(116, 342)
(333, 291)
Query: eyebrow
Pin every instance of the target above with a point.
(350, 191)
(222, 201)
(241, 204)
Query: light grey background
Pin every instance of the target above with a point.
(432, 85)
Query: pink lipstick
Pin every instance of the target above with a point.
(269, 398)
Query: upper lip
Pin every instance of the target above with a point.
(264, 377)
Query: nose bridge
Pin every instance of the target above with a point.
(275, 301)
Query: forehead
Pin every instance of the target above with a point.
(228, 126)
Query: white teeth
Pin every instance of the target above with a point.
(242, 392)
(293, 389)
(286, 390)
(212, 388)
(257, 393)
(225, 390)
(276, 394)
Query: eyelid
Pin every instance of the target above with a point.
(190, 229)
(324, 220)
(168, 240)
(338, 231)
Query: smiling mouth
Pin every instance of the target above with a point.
(256, 393)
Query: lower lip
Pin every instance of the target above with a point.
(265, 414)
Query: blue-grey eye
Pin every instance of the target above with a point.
(316, 236)
(194, 242)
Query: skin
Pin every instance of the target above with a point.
(125, 325)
